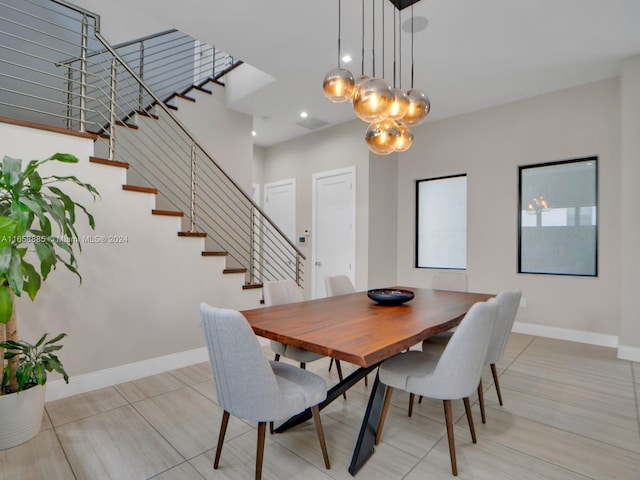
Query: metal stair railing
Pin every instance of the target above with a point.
(57, 69)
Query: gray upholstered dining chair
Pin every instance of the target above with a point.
(249, 386)
(287, 291)
(453, 374)
(508, 302)
(454, 281)
(339, 285)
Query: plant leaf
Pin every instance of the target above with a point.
(46, 255)
(6, 305)
(15, 277)
(23, 216)
(64, 157)
(39, 342)
(7, 231)
(33, 281)
(56, 339)
(11, 171)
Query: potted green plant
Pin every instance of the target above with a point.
(37, 230)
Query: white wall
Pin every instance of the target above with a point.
(329, 149)
(383, 220)
(488, 146)
(139, 299)
(224, 133)
(630, 251)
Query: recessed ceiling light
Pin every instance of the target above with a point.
(347, 58)
(253, 132)
(304, 114)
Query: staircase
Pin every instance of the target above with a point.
(103, 90)
(136, 312)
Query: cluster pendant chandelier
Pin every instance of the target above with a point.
(390, 111)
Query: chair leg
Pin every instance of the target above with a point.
(383, 413)
(467, 409)
(366, 381)
(448, 416)
(303, 365)
(270, 428)
(262, 428)
(223, 431)
(481, 402)
(277, 359)
(315, 411)
(412, 397)
(330, 363)
(339, 369)
(420, 399)
(494, 372)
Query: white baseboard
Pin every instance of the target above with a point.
(124, 373)
(629, 353)
(566, 334)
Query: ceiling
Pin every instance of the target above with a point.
(472, 55)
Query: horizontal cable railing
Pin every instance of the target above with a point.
(57, 69)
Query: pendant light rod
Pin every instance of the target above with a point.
(383, 49)
(412, 18)
(339, 30)
(373, 43)
(362, 53)
(394, 48)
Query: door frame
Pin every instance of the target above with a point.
(314, 219)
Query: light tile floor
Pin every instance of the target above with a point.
(570, 412)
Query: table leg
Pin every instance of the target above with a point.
(366, 438)
(334, 392)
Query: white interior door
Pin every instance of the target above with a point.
(280, 205)
(334, 233)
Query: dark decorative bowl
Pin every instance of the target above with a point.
(390, 296)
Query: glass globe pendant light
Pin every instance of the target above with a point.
(418, 109)
(399, 104)
(382, 137)
(373, 100)
(338, 83)
(405, 139)
(358, 84)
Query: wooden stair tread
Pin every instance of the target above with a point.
(167, 213)
(192, 234)
(234, 270)
(112, 163)
(202, 89)
(250, 286)
(127, 125)
(185, 97)
(147, 114)
(47, 128)
(170, 106)
(215, 254)
(137, 188)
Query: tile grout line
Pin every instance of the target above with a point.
(635, 391)
(66, 456)
(93, 414)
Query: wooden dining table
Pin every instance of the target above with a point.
(360, 331)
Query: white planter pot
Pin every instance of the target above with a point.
(21, 416)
